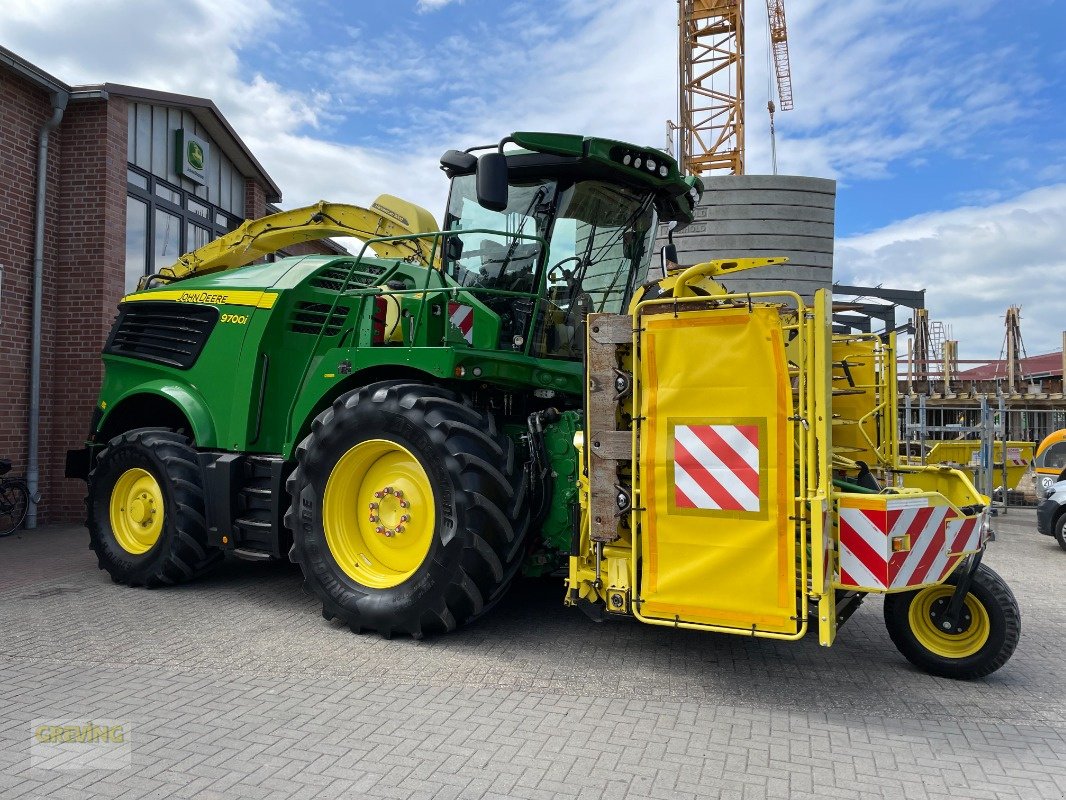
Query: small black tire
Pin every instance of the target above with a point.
(998, 611)
(180, 553)
(477, 542)
(14, 505)
(1060, 530)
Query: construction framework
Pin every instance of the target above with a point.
(711, 64)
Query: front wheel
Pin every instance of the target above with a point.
(1060, 531)
(14, 503)
(982, 642)
(146, 510)
(409, 510)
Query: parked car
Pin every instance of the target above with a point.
(1051, 513)
(1050, 461)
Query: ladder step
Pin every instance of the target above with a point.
(246, 554)
(255, 524)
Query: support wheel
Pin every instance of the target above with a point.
(982, 641)
(146, 510)
(409, 510)
(1060, 531)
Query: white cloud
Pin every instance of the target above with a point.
(974, 262)
(871, 92)
(425, 6)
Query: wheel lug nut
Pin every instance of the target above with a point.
(379, 495)
(399, 528)
(399, 493)
(373, 506)
(388, 490)
(373, 517)
(404, 504)
(405, 518)
(379, 529)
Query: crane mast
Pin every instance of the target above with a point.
(711, 67)
(711, 56)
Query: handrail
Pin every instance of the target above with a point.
(436, 236)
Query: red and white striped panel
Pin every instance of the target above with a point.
(928, 555)
(462, 317)
(964, 533)
(716, 467)
(935, 534)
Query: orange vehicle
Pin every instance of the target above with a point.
(1050, 461)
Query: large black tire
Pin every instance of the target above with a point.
(181, 552)
(1060, 531)
(1004, 626)
(476, 545)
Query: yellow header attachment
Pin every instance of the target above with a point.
(387, 216)
(683, 287)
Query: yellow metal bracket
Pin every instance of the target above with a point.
(717, 269)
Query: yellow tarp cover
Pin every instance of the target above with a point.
(716, 479)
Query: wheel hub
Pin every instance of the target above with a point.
(136, 511)
(390, 511)
(961, 638)
(937, 615)
(378, 513)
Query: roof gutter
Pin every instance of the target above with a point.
(33, 471)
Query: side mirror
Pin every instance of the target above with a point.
(453, 248)
(668, 256)
(456, 162)
(492, 181)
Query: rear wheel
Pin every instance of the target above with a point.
(146, 510)
(983, 640)
(14, 503)
(409, 510)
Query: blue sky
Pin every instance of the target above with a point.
(940, 119)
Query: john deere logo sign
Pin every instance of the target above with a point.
(195, 154)
(192, 153)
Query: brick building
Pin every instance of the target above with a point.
(133, 179)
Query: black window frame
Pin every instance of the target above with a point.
(149, 196)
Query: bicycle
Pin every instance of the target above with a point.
(14, 500)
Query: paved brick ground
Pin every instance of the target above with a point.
(235, 687)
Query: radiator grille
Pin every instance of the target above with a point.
(312, 318)
(332, 278)
(166, 333)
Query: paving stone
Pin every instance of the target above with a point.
(235, 687)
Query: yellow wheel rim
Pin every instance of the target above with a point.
(924, 617)
(379, 514)
(136, 510)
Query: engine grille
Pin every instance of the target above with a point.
(332, 278)
(166, 333)
(314, 317)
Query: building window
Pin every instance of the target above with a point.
(163, 222)
(136, 241)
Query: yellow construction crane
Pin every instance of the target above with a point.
(711, 66)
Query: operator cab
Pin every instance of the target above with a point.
(542, 239)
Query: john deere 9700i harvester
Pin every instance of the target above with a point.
(512, 392)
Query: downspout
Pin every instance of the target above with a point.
(33, 471)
